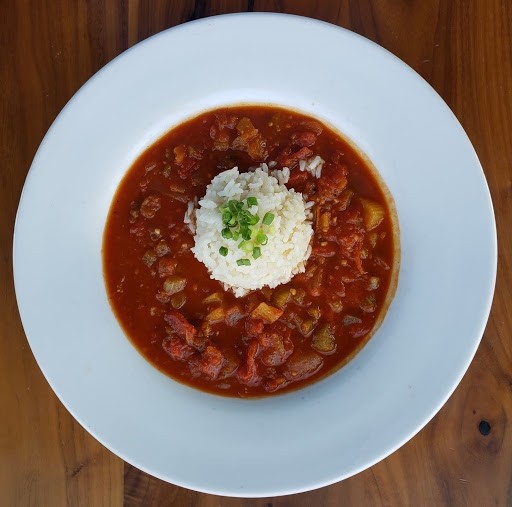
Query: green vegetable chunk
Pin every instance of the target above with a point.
(226, 233)
(268, 218)
(238, 222)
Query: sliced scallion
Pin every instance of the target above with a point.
(237, 224)
(226, 217)
(261, 238)
(226, 233)
(268, 218)
(246, 233)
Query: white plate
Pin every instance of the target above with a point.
(335, 428)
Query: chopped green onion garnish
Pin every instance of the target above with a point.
(261, 238)
(246, 233)
(226, 233)
(268, 218)
(233, 207)
(237, 224)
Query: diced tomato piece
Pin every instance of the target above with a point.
(250, 140)
(358, 330)
(273, 384)
(222, 120)
(182, 327)
(328, 250)
(277, 347)
(302, 366)
(381, 262)
(230, 365)
(150, 205)
(180, 152)
(177, 348)
(162, 296)
(233, 315)
(248, 373)
(188, 166)
(221, 142)
(166, 266)
(211, 362)
(290, 160)
(253, 327)
(246, 129)
(194, 152)
(351, 247)
(333, 181)
(313, 126)
(353, 217)
(297, 178)
(304, 139)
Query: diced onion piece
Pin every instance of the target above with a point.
(351, 319)
(306, 326)
(325, 221)
(299, 295)
(373, 283)
(336, 305)
(178, 300)
(315, 312)
(149, 257)
(323, 340)
(369, 304)
(266, 312)
(373, 213)
(281, 296)
(372, 239)
(216, 297)
(174, 284)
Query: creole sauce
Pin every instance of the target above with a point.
(192, 329)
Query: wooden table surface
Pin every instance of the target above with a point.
(463, 48)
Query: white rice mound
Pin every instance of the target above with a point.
(289, 235)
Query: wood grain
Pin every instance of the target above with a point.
(462, 48)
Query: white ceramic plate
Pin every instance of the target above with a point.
(337, 427)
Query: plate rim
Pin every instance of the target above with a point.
(488, 298)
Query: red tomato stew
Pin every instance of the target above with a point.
(270, 340)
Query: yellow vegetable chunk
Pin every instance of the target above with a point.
(266, 312)
(281, 296)
(323, 340)
(373, 213)
(216, 315)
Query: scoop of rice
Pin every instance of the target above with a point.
(289, 234)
